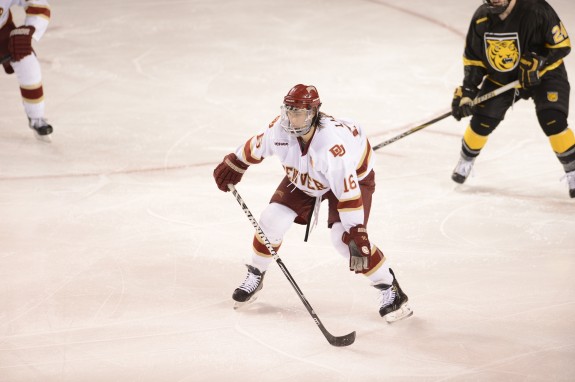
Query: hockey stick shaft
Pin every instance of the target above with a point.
(476, 101)
(345, 340)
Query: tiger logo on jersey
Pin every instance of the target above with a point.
(502, 50)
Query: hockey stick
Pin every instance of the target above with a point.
(476, 101)
(5, 59)
(345, 340)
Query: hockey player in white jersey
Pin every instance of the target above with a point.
(324, 158)
(18, 56)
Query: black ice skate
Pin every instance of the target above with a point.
(41, 128)
(247, 292)
(393, 304)
(571, 182)
(462, 169)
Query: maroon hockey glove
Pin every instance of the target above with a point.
(529, 66)
(359, 248)
(20, 42)
(461, 104)
(7, 67)
(229, 171)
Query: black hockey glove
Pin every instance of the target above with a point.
(529, 66)
(359, 248)
(461, 105)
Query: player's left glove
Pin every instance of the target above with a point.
(20, 42)
(229, 171)
(529, 66)
(359, 248)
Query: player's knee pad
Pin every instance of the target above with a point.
(275, 221)
(552, 121)
(476, 134)
(483, 125)
(337, 231)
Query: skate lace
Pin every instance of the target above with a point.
(251, 282)
(464, 167)
(386, 297)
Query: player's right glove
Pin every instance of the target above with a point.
(229, 171)
(20, 42)
(461, 104)
(359, 248)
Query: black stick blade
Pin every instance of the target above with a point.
(346, 340)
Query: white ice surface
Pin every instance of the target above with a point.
(118, 255)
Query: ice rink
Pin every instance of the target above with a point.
(118, 254)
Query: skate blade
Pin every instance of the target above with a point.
(239, 305)
(403, 312)
(44, 138)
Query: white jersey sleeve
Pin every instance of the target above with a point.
(37, 14)
(260, 146)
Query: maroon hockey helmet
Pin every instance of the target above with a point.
(497, 9)
(302, 97)
(300, 110)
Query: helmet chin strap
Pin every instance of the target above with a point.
(497, 9)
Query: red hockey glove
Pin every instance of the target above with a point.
(461, 104)
(529, 66)
(359, 248)
(20, 42)
(229, 171)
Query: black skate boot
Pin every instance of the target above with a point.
(41, 128)
(393, 302)
(462, 169)
(246, 293)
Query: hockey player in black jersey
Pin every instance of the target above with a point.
(512, 40)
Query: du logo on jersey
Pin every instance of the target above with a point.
(502, 50)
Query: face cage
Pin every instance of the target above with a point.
(306, 117)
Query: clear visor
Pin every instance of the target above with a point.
(296, 121)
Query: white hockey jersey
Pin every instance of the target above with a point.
(336, 158)
(37, 14)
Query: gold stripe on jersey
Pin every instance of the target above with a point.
(348, 205)
(554, 65)
(468, 62)
(481, 20)
(492, 80)
(364, 162)
(563, 44)
(38, 10)
(563, 141)
(473, 140)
